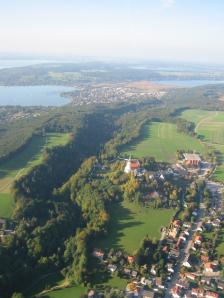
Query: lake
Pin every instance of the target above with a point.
(33, 95)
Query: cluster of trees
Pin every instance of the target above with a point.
(92, 197)
(150, 253)
(192, 197)
(185, 126)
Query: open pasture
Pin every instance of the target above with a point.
(130, 223)
(210, 127)
(161, 140)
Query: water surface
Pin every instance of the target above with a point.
(33, 95)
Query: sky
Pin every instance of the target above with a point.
(162, 30)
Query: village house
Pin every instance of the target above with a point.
(198, 239)
(204, 259)
(130, 259)
(173, 233)
(192, 159)
(209, 294)
(148, 294)
(127, 272)
(174, 253)
(153, 270)
(197, 292)
(98, 253)
(210, 267)
(186, 262)
(176, 292)
(112, 268)
(190, 276)
(220, 285)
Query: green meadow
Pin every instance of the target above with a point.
(210, 127)
(21, 162)
(67, 293)
(161, 140)
(130, 223)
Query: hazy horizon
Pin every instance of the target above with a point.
(161, 30)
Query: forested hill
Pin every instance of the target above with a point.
(207, 97)
(95, 72)
(45, 220)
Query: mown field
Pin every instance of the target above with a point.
(21, 163)
(161, 140)
(130, 223)
(210, 127)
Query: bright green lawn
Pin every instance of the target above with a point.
(6, 205)
(161, 140)
(130, 223)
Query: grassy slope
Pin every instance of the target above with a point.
(68, 292)
(6, 205)
(130, 223)
(162, 141)
(21, 163)
(210, 125)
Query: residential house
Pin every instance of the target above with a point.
(197, 292)
(148, 294)
(209, 294)
(112, 268)
(130, 259)
(210, 267)
(190, 276)
(98, 253)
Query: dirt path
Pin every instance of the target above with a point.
(203, 120)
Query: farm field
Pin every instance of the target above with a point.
(161, 140)
(22, 162)
(130, 223)
(210, 127)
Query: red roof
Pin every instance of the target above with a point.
(212, 294)
(135, 165)
(130, 259)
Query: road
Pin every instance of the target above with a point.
(185, 252)
(216, 190)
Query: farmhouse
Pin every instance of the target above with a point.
(192, 159)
